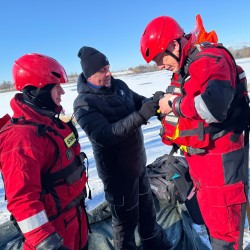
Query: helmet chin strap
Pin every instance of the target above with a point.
(174, 56)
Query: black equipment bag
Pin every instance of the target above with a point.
(169, 178)
(171, 183)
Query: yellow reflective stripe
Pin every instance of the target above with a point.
(33, 222)
(70, 139)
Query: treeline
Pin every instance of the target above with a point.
(243, 52)
(8, 86)
(143, 69)
(240, 53)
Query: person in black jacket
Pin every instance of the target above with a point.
(111, 114)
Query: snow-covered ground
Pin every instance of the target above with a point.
(145, 84)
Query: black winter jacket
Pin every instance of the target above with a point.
(110, 119)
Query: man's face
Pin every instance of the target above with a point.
(101, 77)
(56, 93)
(164, 60)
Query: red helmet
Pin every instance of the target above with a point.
(157, 35)
(37, 70)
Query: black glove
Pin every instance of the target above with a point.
(148, 109)
(158, 95)
(160, 116)
(52, 242)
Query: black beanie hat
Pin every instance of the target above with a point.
(92, 60)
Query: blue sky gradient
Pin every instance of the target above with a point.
(59, 28)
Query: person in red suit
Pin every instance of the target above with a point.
(204, 116)
(40, 160)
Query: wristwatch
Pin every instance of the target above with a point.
(171, 100)
(170, 103)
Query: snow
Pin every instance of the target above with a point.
(145, 84)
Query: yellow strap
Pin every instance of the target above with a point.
(184, 148)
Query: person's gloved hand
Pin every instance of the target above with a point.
(158, 95)
(160, 116)
(149, 108)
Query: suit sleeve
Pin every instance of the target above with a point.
(98, 128)
(21, 162)
(138, 99)
(209, 92)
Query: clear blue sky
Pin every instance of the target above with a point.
(58, 28)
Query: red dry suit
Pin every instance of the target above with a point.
(207, 123)
(44, 176)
